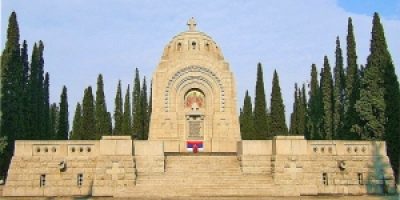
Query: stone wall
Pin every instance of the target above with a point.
(70, 168)
(119, 166)
(321, 167)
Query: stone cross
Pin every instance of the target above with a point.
(192, 24)
(293, 170)
(115, 170)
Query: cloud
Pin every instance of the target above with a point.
(85, 38)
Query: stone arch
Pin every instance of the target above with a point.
(205, 75)
(186, 84)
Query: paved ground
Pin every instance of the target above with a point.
(228, 198)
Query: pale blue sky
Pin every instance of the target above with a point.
(85, 38)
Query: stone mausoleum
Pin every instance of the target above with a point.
(194, 146)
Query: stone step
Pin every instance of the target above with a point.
(163, 191)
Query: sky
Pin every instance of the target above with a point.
(83, 38)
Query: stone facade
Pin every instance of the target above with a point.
(121, 167)
(194, 102)
(194, 88)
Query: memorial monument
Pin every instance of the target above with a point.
(194, 147)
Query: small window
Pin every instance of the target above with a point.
(360, 178)
(325, 178)
(73, 149)
(79, 179)
(193, 45)
(89, 149)
(46, 149)
(42, 180)
(208, 47)
(54, 149)
(81, 149)
(38, 149)
(179, 47)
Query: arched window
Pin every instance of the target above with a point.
(193, 45)
(179, 46)
(208, 47)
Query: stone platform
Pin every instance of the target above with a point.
(120, 167)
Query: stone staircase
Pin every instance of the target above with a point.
(199, 175)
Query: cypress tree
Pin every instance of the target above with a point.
(144, 110)
(63, 123)
(293, 130)
(25, 89)
(53, 121)
(352, 90)
(301, 113)
(315, 106)
(306, 132)
(36, 93)
(371, 105)
(136, 114)
(46, 108)
(260, 111)
(118, 112)
(127, 117)
(391, 95)
(101, 110)
(247, 119)
(11, 92)
(278, 124)
(109, 122)
(327, 100)
(338, 93)
(77, 124)
(88, 116)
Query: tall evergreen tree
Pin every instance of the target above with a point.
(247, 119)
(101, 110)
(371, 105)
(293, 130)
(327, 100)
(11, 92)
(109, 122)
(278, 124)
(53, 121)
(63, 123)
(260, 105)
(391, 94)
(46, 108)
(314, 106)
(88, 116)
(118, 112)
(136, 108)
(127, 116)
(304, 102)
(338, 93)
(77, 124)
(301, 113)
(25, 89)
(352, 91)
(36, 93)
(144, 110)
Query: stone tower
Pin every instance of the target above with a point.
(194, 96)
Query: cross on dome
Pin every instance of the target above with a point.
(192, 24)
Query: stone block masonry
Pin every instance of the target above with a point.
(263, 168)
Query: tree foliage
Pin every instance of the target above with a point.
(278, 122)
(247, 119)
(260, 108)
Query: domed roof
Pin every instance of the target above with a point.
(192, 43)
